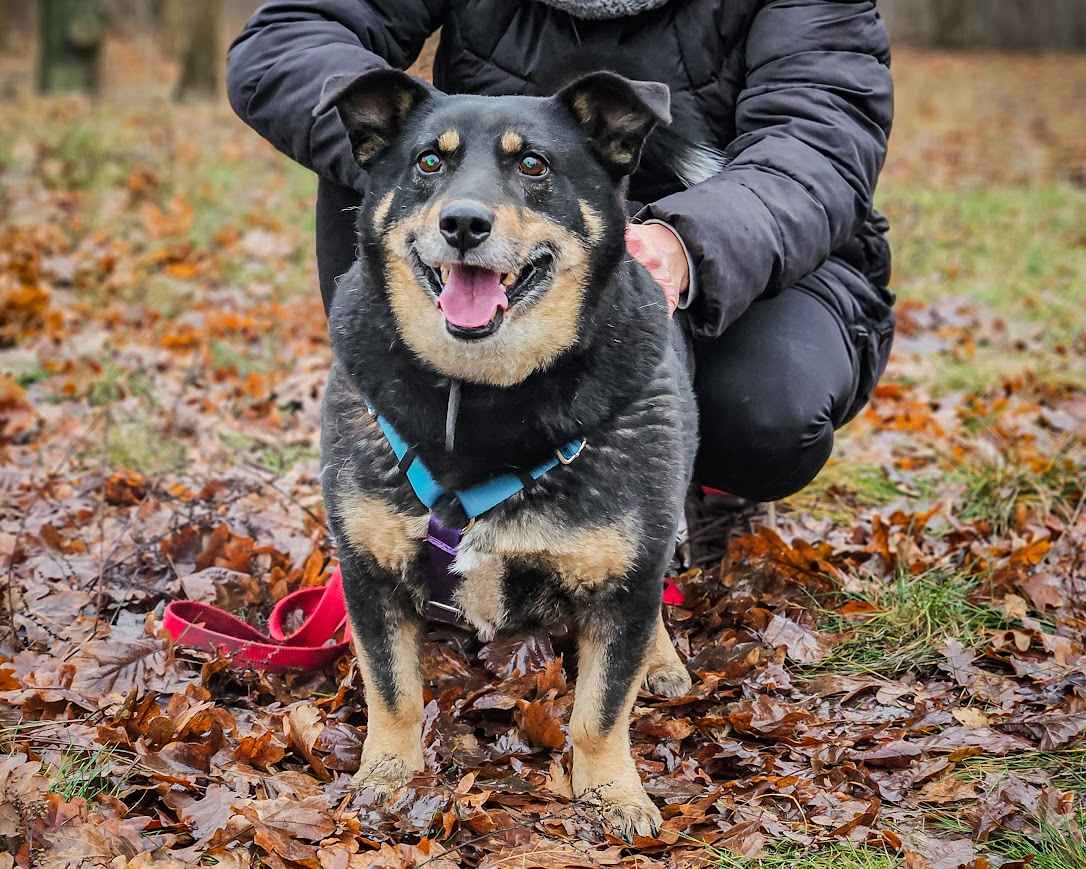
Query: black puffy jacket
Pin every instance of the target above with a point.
(781, 109)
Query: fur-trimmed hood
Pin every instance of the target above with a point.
(604, 8)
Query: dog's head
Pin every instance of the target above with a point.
(495, 218)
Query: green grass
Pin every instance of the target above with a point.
(914, 617)
(1050, 847)
(1018, 249)
(116, 383)
(136, 444)
(993, 490)
(1046, 845)
(85, 155)
(88, 773)
(1066, 767)
(843, 486)
(274, 458)
(842, 855)
(31, 376)
(237, 360)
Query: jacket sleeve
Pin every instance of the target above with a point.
(277, 66)
(812, 123)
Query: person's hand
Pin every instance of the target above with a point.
(659, 250)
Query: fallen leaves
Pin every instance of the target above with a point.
(803, 646)
(109, 667)
(142, 310)
(539, 724)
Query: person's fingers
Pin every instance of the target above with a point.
(656, 249)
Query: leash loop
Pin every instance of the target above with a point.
(202, 626)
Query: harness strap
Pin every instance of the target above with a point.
(204, 626)
(405, 460)
(482, 497)
(443, 541)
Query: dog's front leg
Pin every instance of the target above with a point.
(386, 632)
(613, 655)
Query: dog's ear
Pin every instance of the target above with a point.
(373, 106)
(617, 114)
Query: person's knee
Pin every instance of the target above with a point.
(764, 450)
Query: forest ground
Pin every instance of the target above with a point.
(891, 673)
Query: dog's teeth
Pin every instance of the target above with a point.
(445, 272)
(508, 278)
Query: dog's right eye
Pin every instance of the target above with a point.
(429, 162)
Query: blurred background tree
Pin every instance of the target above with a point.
(193, 30)
(183, 42)
(1034, 25)
(71, 35)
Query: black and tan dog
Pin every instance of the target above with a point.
(493, 270)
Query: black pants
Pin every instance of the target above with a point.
(771, 390)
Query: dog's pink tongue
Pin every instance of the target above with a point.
(472, 296)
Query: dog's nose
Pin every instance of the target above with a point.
(466, 224)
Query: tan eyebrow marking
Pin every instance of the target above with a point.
(593, 220)
(448, 141)
(511, 142)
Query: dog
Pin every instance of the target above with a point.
(495, 333)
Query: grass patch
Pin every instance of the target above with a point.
(843, 855)
(272, 457)
(1066, 766)
(991, 366)
(116, 383)
(135, 444)
(1018, 249)
(1050, 847)
(842, 487)
(84, 156)
(87, 773)
(227, 357)
(914, 616)
(28, 378)
(994, 491)
(1044, 845)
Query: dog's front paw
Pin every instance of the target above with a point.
(668, 681)
(630, 815)
(379, 776)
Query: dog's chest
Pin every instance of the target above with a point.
(529, 566)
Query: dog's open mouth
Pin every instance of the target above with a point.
(473, 299)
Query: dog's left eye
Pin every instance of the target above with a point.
(429, 162)
(532, 165)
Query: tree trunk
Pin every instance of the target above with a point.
(72, 33)
(201, 56)
(1035, 25)
(173, 24)
(16, 23)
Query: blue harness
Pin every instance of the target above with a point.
(475, 500)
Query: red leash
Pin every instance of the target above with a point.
(203, 626)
